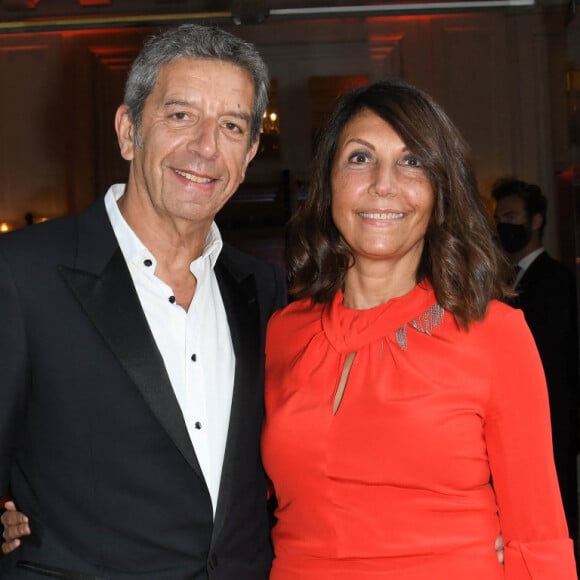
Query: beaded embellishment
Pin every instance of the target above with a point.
(425, 323)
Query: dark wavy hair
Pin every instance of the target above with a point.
(460, 257)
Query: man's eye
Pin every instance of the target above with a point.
(233, 127)
(180, 115)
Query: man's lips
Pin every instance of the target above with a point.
(193, 178)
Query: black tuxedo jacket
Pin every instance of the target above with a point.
(93, 445)
(547, 296)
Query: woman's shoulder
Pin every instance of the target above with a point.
(499, 313)
(297, 313)
(292, 327)
(501, 323)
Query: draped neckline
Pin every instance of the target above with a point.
(348, 329)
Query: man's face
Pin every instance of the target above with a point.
(517, 233)
(511, 210)
(193, 148)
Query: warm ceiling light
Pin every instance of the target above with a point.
(400, 8)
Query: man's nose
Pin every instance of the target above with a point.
(204, 138)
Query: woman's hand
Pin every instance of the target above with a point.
(15, 526)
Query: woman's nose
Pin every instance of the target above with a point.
(384, 181)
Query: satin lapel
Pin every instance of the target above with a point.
(111, 303)
(240, 301)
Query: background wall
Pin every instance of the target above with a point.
(501, 76)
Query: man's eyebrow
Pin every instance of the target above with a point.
(247, 117)
(179, 102)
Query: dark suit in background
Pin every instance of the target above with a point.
(547, 296)
(93, 445)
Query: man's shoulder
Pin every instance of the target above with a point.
(268, 279)
(547, 266)
(232, 255)
(38, 239)
(546, 282)
(54, 239)
(240, 264)
(53, 228)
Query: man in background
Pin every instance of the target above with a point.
(546, 293)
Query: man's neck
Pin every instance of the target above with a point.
(528, 259)
(169, 241)
(533, 245)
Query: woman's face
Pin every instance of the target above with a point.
(382, 199)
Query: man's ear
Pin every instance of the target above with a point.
(125, 132)
(537, 221)
(249, 156)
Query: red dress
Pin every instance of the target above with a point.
(396, 485)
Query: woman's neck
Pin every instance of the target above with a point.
(369, 287)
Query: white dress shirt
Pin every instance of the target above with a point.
(196, 344)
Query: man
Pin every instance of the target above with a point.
(547, 296)
(132, 343)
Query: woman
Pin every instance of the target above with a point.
(406, 410)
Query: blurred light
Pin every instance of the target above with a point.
(270, 124)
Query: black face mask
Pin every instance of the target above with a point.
(514, 237)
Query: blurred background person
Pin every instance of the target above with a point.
(546, 294)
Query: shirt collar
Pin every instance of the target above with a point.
(133, 248)
(526, 261)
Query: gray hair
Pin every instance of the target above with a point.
(195, 41)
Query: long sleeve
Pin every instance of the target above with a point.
(518, 437)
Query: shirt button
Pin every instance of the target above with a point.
(148, 262)
(197, 425)
(194, 357)
(172, 299)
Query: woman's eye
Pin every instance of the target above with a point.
(358, 157)
(411, 161)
